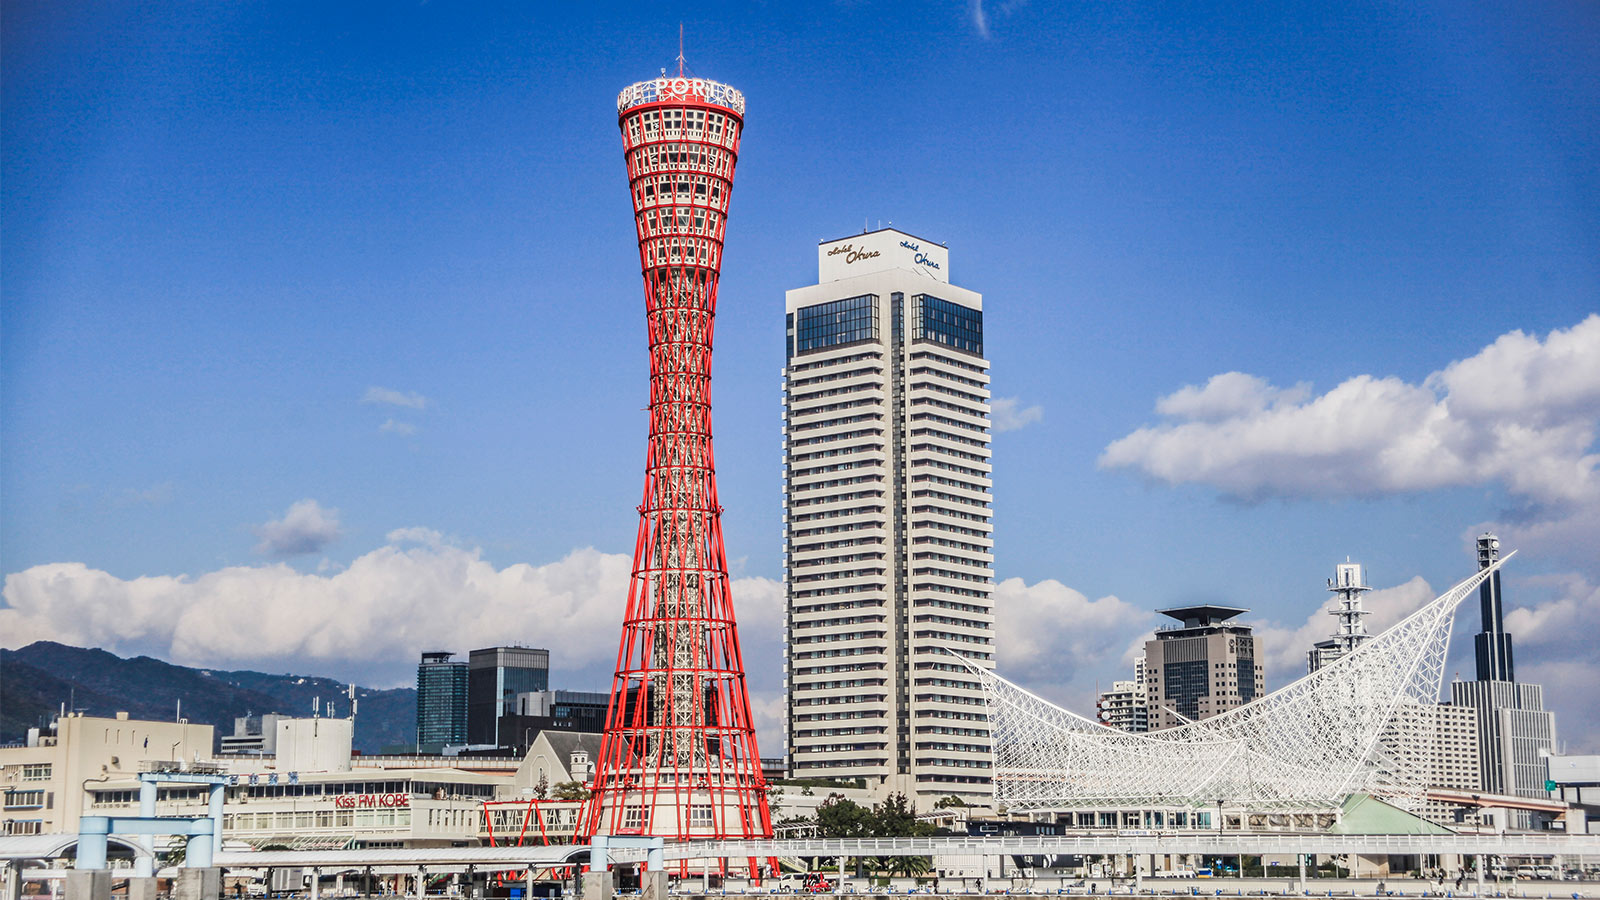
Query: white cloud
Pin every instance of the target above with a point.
(307, 527)
(1008, 414)
(1285, 646)
(1227, 395)
(395, 426)
(416, 592)
(1056, 641)
(391, 397)
(1522, 413)
(980, 19)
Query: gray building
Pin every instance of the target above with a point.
(1515, 732)
(441, 702)
(1204, 666)
(495, 676)
(1576, 779)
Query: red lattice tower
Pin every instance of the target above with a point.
(678, 758)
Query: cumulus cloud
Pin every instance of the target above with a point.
(1008, 414)
(1056, 641)
(307, 527)
(391, 397)
(1227, 395)
(1521, 413)
(1285, 646)
(416, 592)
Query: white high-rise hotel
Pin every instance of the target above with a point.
(887, 538)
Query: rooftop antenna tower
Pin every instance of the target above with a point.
(680, 49)
(1348, 583)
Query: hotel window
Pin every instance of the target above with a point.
(839, 322)
(943, 322)
(36, 772)
(635, 817)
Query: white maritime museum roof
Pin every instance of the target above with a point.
(1307, 745)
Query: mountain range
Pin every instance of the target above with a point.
(36, 680)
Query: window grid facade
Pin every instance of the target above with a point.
(841, 322)
(888, 548)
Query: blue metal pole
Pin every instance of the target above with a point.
(92, 833)
(197, 853)
(144, 866)
(216, 817)
(655, 857)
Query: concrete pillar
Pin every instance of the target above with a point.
(89, 884)
(422, 881)
(316, 884)
(598, 885)
(1481, 860)
(653, 884)
(214, 810)
(1301, 859)
(527, 883)
(141, 888)
(705, 875)
(197, 884)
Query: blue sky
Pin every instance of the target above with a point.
(226, 225)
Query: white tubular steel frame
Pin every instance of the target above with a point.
(1305, 746)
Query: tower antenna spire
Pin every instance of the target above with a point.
(680, 49)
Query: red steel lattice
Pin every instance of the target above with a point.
(678, 758)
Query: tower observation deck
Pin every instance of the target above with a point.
(678, 758)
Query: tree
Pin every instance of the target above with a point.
(838, 818)
(950, 802)
(897, 817)
(569, 790)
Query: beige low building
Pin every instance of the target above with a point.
(44, 780)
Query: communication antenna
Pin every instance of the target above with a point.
(680, 49)
(316, 706)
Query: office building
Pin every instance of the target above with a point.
(1439, 742)
(887, 536)
(537, 712)
(495, 676)
(1204, 666)
(43, 781)
(1515, 732)
(1125, 706)
(1348, 583)
(252, 736)
(1576, 780)
(441, 702)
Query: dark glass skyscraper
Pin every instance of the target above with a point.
(1493, 644)
(441, 702)
(496, 675)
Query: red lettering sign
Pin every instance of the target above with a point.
(371, 801)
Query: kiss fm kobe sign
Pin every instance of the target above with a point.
(879, 251)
